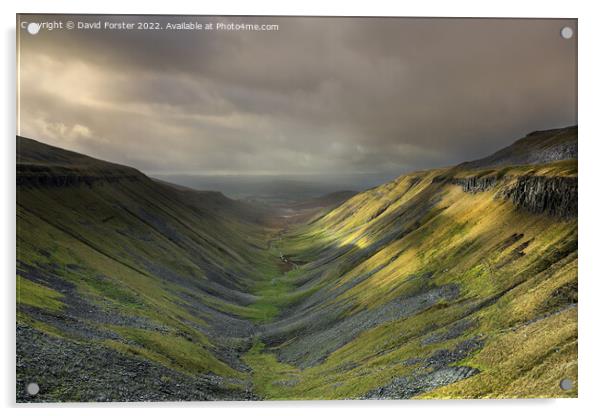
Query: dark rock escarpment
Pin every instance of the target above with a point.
(556, 196)
(475, 184)
(470, 184)
(550, 195)
(43, 176)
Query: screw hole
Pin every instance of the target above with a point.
(566, 384)
(566, 32)
(33, 389)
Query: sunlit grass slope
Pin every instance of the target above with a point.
(512, 323)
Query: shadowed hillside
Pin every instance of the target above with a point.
(455, 282)
(145, 272)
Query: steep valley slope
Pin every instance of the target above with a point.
(448, 283)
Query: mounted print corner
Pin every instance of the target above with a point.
(295, 208)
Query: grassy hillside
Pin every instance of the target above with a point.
(108, 256)
(442, 283)
(458, 282)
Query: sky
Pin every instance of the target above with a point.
(319, 96)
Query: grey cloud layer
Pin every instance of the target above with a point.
(326, 95)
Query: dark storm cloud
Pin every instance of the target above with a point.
(325, 95)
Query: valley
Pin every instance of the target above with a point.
(456, 282)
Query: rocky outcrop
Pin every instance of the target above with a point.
(556, 196)
(42, 176)
(41, 165)
(474, 184)
(551, 195)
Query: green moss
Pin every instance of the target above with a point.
(276, 294)
(172, 350)
(104, 288)
(34, 294)
(26, 319)
(270, 377)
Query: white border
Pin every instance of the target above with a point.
(590, 156)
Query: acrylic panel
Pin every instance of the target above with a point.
(295, 208)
